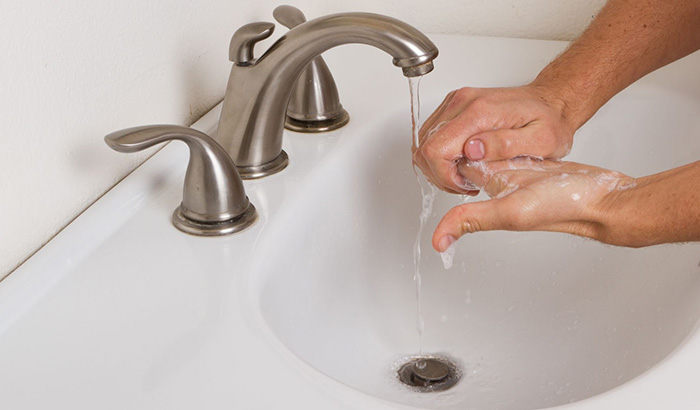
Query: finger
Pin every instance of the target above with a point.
(473, 169)
(422, 154)
(455, 107)
(426, 171)
(500, 177)
(435, 117)
(509, 143)
(440, 154)
(424, 168)
(469, 218)
(476, 172)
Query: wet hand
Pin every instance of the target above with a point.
(484, 124)
(533, 195)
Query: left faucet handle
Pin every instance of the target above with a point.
(244, 39)
(213, 198)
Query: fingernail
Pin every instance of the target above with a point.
(475, 150)
(445, 242)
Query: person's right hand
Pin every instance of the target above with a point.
(547, 195)
(488, 124)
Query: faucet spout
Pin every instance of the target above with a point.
(258, 91)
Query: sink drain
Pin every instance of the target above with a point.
(429, 374)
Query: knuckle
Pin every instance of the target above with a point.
(480, 104)
(463, 96)
(424, 147)
(427, 152)
(465, 92)
(466, 224)
(554, 144)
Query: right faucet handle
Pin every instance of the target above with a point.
(314, 105)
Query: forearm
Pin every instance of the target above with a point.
(661, 208)
(627, 40)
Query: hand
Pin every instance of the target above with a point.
(534, 195)
(484, 124)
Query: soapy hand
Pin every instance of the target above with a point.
(484, 124)
(533, 195)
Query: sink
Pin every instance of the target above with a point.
(315, 304)
(534, 320)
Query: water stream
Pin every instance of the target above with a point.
(428, 192)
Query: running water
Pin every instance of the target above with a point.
(414, 88)
(428, 192)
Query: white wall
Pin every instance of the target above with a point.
(540, 19)
(75, 70)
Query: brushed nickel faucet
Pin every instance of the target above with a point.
(213, 199)
(259, 89)
(314, 105)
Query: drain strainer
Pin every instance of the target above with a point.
(429, 374)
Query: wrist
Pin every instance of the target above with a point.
(563, 98)
(655, 209)
(623, 218)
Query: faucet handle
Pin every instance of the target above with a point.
(314, 105)
(213, 199)
(240, 49)
(289, 16)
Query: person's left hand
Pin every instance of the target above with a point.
(533, 195)
(490, 124)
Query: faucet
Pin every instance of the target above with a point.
(214, 202)
(258, 91)
(314, 105)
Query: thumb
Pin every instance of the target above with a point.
(469, 218)
(506, 144)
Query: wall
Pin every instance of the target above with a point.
(539, 19)
(75, 70)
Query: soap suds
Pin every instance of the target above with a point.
(448, 256)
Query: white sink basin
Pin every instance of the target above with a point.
(534, 319)
(313, 305)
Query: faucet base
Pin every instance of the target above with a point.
(269, 168)
(237, 224)
(312, 126)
